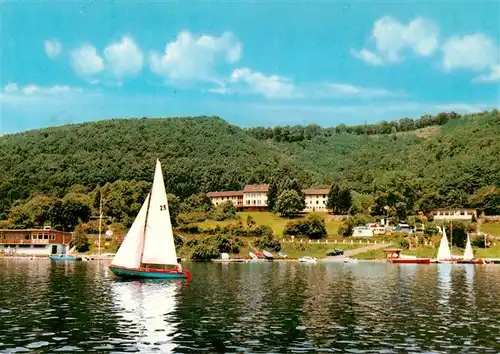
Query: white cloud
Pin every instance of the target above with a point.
(494, 75)
(367, 56)
(269, 86)
(124, 58)
(86, 61)
(194, 58)
(11, 87)
(246, 81)
(475, 52)
(52, 48)
(15, 89)
(392, 38)
(345, 90)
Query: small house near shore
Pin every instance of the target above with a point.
(34, 242)
(454, 214)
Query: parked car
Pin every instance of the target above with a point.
(335, 252)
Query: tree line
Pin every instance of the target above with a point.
(455, 166)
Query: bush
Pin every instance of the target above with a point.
(250, 221)
(223, 243)
(204, 252)
(192, 243)
(224, 211)
(178, 241)
(268, 242)
(313, 227)
(190, 229)
(189, 218)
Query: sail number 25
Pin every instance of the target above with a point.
(163, 207)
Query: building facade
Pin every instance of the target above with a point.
(35, 242)
(255, 197)
(316, 199)
(235, 197)
(454, 214)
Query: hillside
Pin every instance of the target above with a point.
(442, 168)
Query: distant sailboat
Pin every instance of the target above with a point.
(148, 247)
(444, 252)
(468, 254)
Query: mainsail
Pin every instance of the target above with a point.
(468, 254)
(444, 252)
(150, 240)
(129, 253)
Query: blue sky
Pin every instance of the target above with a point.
(250, 63)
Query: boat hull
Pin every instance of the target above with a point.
(149, 273)
(410, 260)
(64, 258)
(472, 261)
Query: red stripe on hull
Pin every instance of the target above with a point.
(416, 260)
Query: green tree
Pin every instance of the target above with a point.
(79, 240)
(290, 203)
(174, 207)
(250, 221)
(333, 198)
(272, 195)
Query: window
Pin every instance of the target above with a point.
(27, 237)
(317, 202)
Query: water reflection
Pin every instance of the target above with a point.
(260, 307)
(146, 308)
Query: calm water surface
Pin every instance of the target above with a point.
(264, 308)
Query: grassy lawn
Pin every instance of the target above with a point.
(296, 250)
(274, 221)
(492, 228)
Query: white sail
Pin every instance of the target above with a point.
(129, 253)
(468, 254)
(159, 247)
(444, 252)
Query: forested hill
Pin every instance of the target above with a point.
(431, 162)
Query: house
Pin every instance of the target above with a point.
(315, 199)
(255, 197)
(34, 242)
(454, 214)
(235, 197)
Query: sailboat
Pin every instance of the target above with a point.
(469, 254)
(148, 250)
(444, 252)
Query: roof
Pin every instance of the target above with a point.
(452, 209)
(34, 230)
(316, 191)
(225, 194)
(256, 188)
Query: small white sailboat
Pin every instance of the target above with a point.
(468, 256)
(148, 248)
(444, 252)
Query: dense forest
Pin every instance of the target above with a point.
(435, 161)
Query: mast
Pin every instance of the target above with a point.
(145, 224)
(451, 234)
(100, 221)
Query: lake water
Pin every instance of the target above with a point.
(259, 307)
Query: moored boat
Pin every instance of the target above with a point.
(394, 256)
(148, 250)
(64, 258)
(268, 255)
(307, 259)
(468, 257)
